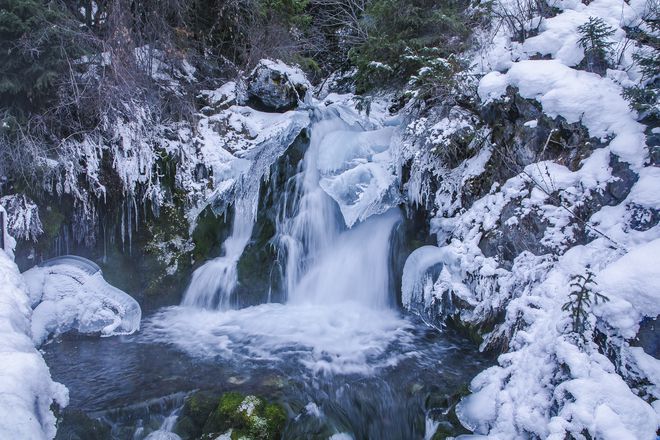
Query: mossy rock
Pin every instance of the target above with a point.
(195, 412)
(248, 417)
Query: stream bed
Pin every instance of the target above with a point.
(352, 373)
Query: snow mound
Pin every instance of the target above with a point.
(70, 294)
(631, 283)
(577, 96)
(277, 85)
(26, 389)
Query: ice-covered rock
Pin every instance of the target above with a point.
(357, 171)
(26, 388)
(276, 85)
(69, 293)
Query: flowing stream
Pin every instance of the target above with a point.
(338, 353)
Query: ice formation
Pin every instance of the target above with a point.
(69, 293)
(26, 387)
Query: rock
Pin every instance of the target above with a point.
(76, 425)
(248, 417)
(194, 414)
(276, 86)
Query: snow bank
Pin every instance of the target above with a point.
(26, 388)
(551, 384)
(577, 96)
(70, 294)
(631, 283)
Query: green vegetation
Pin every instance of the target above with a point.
(583, 294)
(594, 39)
(34, 46)
(645, 97)
(403, 34)
(246, 416)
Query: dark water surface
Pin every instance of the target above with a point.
(135, 382)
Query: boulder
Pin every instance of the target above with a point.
(276, 86)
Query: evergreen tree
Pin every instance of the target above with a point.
(583, 293)
(594, 35)
(400, 32)
(32, 55)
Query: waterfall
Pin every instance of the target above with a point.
(213, 283)
(324, 262)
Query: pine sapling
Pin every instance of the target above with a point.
(583, 293)
(594, 39)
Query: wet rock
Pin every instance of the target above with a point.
(76, 425)
(247, 417)
(195, 412)
(276, 86)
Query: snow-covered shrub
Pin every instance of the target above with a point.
(23, 220)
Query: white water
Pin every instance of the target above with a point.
(338, 316)
(213, 283)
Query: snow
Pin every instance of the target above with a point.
(70, 295)
(631, 283)
(577, 96)
(23, 222)
(293, 74)
(26, 389)
(549, 384)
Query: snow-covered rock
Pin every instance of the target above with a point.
(566, 188)
(69, 293)
(26, 388)
(276, 85)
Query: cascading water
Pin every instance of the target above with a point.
(213, 283)
(338, 352)
(327, 264)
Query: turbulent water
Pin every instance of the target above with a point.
(337, 353)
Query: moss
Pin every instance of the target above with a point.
(276, 417)
(51, 220)
(208, 235)
(76, 425)
(247, 417)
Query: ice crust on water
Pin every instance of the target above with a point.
(69, 293)
(26, 388)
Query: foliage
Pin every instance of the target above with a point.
(583, 293)
(247, 417)
(594, 39)
(33, 50)
(438, 77)
(645, 97)
(398, 28)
